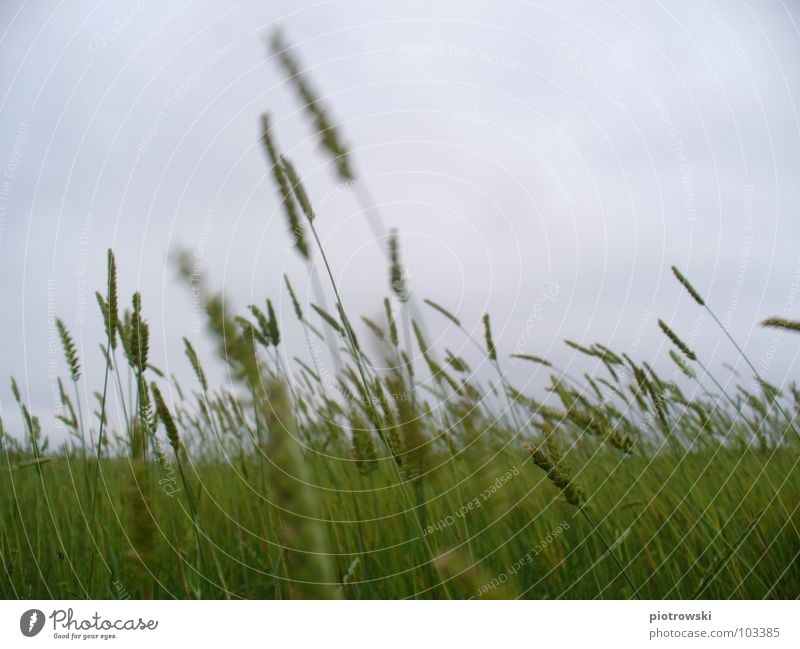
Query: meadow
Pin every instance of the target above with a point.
(407, 473)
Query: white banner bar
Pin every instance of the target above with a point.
(403, 624)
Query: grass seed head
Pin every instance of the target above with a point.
(297, 188)
(677, 341)
(112, 315)
(397, 279)
(551, 461)
(70, 353)
(533, 359)
(685, 282)
(139, 343)
(443, 311)
(781, 323)
(487, 332)
(163, 413)
(191, 354)
(278, 169)
(363, 446)
(295, 302)
(329, 138)
(272, 325)
(683, 366)
(390, 321)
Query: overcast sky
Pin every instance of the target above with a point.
(543, 161)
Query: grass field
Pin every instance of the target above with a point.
(405, 473)
(398, 483)
(703, 525)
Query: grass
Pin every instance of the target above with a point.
(681, 528)
(417, 480)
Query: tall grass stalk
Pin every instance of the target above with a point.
(761, 382)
